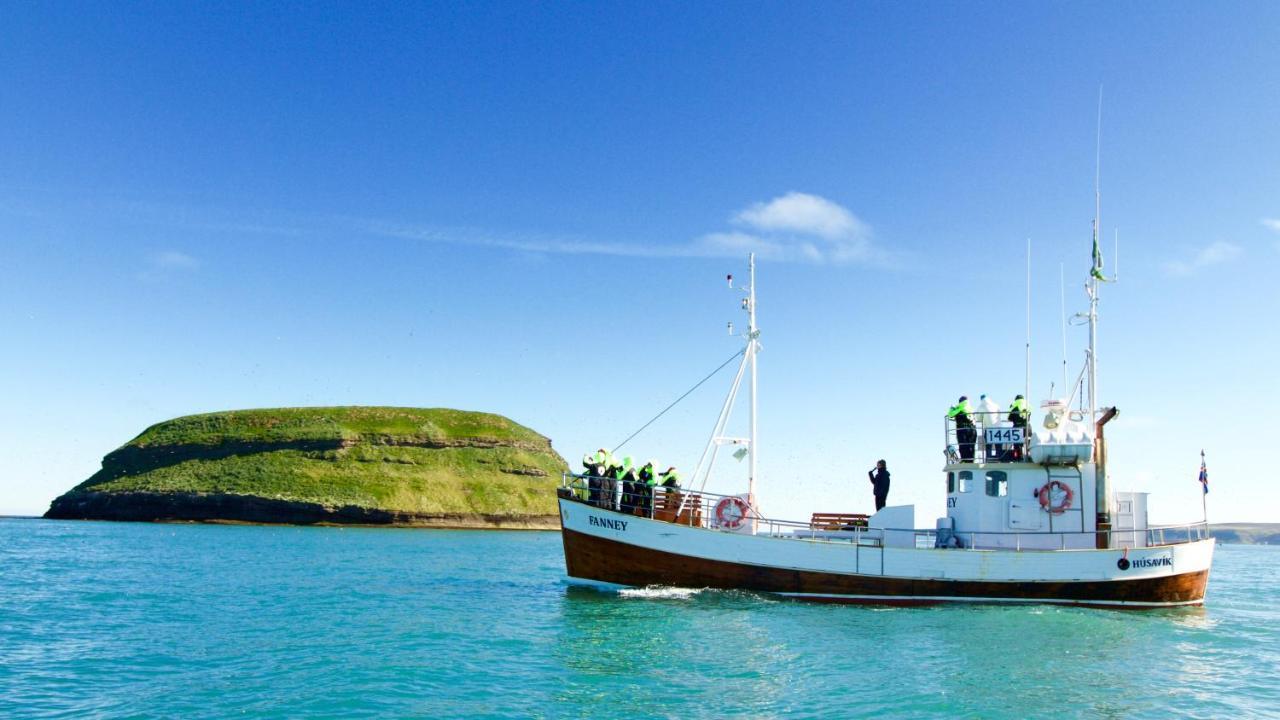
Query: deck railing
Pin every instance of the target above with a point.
(975, 448)
(699, 509)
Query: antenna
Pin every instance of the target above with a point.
(1097, 174)
(1062, 292)
(1095, 275)
(1115, 259)
(1027, 390)
(753, 346)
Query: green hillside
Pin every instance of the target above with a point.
(335, 464)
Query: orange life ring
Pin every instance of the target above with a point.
(1045, 493)
(722, 510)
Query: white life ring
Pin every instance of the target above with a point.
(731, 512)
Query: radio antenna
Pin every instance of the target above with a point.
(1115, 259)
(1062, 294)
(1027, 390)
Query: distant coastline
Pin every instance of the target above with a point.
(1247, 533)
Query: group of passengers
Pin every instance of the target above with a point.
(988, 414)
(615, 483)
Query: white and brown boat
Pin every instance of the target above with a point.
(1030, 519)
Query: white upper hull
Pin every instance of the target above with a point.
(844, 558)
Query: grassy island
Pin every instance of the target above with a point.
(367, 465)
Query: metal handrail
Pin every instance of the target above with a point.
(703, 512)
(981, 453)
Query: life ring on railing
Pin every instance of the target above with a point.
(1046, 496)
(731, 512)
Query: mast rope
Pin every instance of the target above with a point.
(677, 400)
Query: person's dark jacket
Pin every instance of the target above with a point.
(879, 481)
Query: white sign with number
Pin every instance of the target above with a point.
(1005, 435)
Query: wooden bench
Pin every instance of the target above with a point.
(666, 502)
(837, 521)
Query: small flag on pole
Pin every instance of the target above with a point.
(1096, 270)
(1204, 474)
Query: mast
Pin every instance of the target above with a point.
(1095, 272)
(746, 445)
(752, 334)
(1102, 491)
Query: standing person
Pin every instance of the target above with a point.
(609, 490)
(599, 486)
(625, 473)
(965, 433)
(879, 478)
(1018, 412)
(592, 470)
(648, 477)
(593, 479)
(1018, 416)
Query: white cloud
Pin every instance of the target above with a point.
(802, 227)
(802, 213)
(1215, 253)
(795, 227)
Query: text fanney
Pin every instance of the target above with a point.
(607, 523)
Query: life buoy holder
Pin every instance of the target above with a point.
(731, 512)
(1045, 495)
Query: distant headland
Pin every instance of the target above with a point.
(328, 465)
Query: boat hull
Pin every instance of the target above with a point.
(630, 551)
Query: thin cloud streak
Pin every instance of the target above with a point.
(166, 265)
(559, 246)
(1273, 224)
(174, 259)
(795, 227)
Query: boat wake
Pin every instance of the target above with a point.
(659, 592)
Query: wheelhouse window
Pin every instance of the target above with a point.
(966, 481)
(951, 482)
(997, 483)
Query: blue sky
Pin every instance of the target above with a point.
(530, 209)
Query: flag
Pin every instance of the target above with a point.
(1204, 474)
(1096, 270)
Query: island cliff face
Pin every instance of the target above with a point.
(365, 465)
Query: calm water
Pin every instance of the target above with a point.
(131, 620)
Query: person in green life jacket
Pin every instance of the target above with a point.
(966, 434)
(648, 477)
(1018, 412)
(613, 473)
(670, 478)
(625, 475)
(599, 486)
(1018, 416)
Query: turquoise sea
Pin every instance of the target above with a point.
(119, 620)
